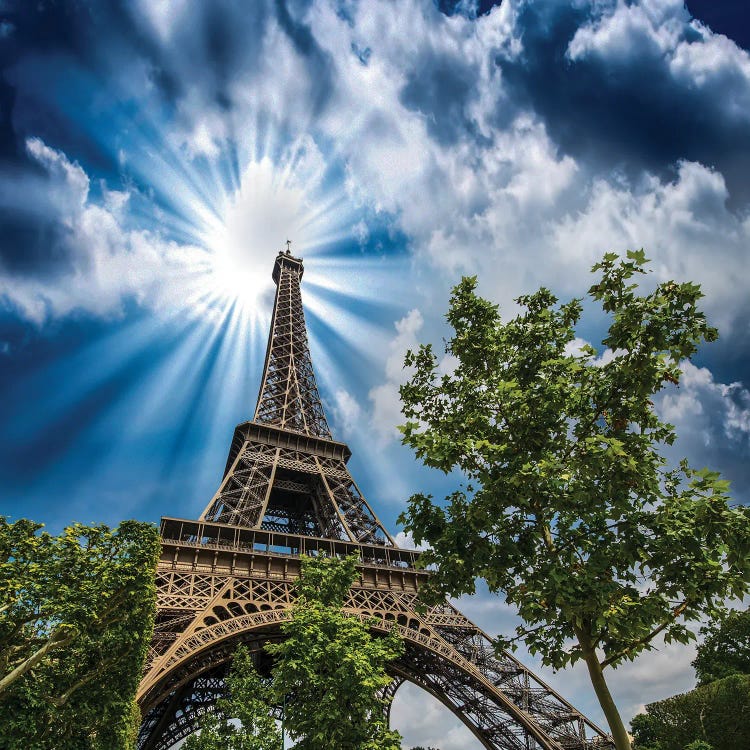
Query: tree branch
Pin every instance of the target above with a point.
(58, 639)
(648, 638)
(62, 699)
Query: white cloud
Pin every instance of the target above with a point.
(386, 403)
(657, 29)
(346, 412)
(424, 721)
(405, 540)
(652, 27)
(712, 421)
(500, 201)
(69, 184)
(680, 223)
(702, 404)
(102, 262)
(162, 14)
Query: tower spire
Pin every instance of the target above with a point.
(285, 472)
(288, 395)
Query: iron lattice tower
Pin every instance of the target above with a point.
(227, 577)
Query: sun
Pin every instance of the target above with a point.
(257, 220)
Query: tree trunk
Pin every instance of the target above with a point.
(619, 733)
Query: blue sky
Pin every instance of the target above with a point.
(155, 154)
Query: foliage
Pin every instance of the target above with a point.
(248, 702)
(726, 648)
(643, 727)
(570, 510)
(714, 714)
(76, 616)
(330, 668)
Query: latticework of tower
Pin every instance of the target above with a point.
(227, 578)
(288, 393)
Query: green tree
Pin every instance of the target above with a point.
(570, 510)
(76, 617)
(726, 648)
(243, 720)
(330, 668)
(714, 715)
(645, 732)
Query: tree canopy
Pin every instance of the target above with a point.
(712, 717)
(242, 720)
(726, 648)
(330, 669)
(76, 617)
(570, 509)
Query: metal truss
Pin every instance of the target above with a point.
(503, 703)
(288, 394)
(289, 489)
(227, 578)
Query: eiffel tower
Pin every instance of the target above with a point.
(226, 578)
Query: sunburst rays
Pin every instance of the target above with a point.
(163, 386)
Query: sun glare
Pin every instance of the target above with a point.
(257, 219)
(237, 220)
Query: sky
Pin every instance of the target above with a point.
(156, 154)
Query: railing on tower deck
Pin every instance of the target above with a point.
(228, 538)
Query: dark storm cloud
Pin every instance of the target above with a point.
(50, 42)
(631, 110)
(53, 27)
(628, 111)
(207, 48)
(34, 220)
(48, 57)
(33, 244)
(728, 17)
(713, 426)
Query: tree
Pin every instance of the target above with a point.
(76, 617)
(713, 715)
(726, 648)
(331, 669)
(645, 732)
(716, 713)
(248, 703)
(569, 509)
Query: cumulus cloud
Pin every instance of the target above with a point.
(470, 132)
(405, 540)
(629, 85)
(346, 412)
(89, 260)
(424, 721)
(680, 222)
(712, 421)
(386, 403)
